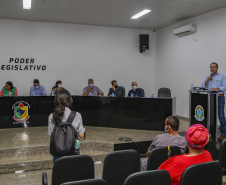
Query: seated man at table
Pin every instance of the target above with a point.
(171, 138)
(37, 89)
(92, 90)
(9, 90)
(115, 90)
(135, 92)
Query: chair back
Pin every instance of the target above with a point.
(87, 182)
(159, 155)
(72, 168)
(222, 155)
(155, 177)
(142, 91)
(164, 93)
(119, 165)
(123, 91)
(208, 173)
(211, 148)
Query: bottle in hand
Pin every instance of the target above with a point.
(77, 147)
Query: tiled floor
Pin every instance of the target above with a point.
(26, 178)
(21, 147)
(35, 177)
(38, 136)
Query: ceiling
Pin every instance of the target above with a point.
(115, 13)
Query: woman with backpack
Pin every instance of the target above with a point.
(64, 124)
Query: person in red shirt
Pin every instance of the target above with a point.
(197, 136)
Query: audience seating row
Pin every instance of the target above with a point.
(123, 168)
(160, 177)
(195, 175)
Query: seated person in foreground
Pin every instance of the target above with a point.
(37, 89)
(171, 138)
(197, 136)
(56, 88)
(115, 90)
(92, 90)
(9, 90)
(135, 92)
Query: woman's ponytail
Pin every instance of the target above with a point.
(58, 114)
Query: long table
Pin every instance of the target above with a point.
(130, 113)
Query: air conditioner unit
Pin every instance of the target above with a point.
(183, 30)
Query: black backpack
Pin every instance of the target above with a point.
(62, 141)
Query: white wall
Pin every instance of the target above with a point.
(74, 53)
(183, 61)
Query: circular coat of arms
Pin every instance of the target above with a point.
(21, 111)
(199, 113)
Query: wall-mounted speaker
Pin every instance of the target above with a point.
(144, 42)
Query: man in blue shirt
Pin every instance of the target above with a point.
(217, 82)
(135, 92)
(37, 89)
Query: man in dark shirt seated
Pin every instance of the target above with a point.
(115, 90)
(135, 92)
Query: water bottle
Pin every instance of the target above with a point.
(89, 93)
(77, 147)
(152, 95)
(192, 86)
(10, 94)
(132, 95)
(112, 95)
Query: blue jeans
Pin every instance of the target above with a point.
(221, 103)
(54, 159)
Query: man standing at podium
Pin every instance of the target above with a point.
(217, 82)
